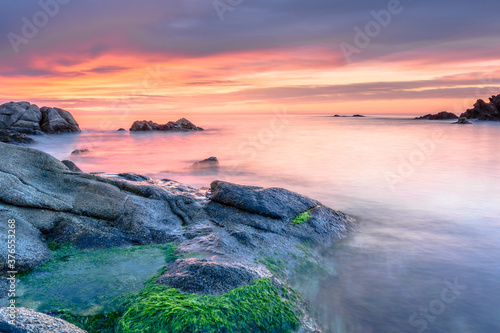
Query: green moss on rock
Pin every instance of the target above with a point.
(260, 307)
(302, 218)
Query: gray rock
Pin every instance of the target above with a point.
(71, 166)
(210, 277)
(462, 120)
(206, 166)
(20, 115)
(15, 137)
(181, 125)
(29, 321)
(55, 120)
(28, 248)
(273, 210)
(133, 177)
(30, 119)
(271, 202)
(85, 210)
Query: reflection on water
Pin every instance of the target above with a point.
(426, 195)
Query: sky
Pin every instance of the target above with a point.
(98, 57)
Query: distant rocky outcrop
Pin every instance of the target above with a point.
(28, 118)
(355, 116)
(443, 115)
(182, 125)
(483, 110)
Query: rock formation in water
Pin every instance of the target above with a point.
(242, 235)
(24, 117)
(483, 110)
(463, 121)
(443, 115)
(182, 125)
(210, 164)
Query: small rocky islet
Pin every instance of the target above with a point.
(230, 248)
(489, 111)
(17, 119)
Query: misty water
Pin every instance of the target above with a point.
(426, 195)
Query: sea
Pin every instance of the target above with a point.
(425, 254)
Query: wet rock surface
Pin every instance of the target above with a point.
(210, 277)
(239, 233)
(29, 321)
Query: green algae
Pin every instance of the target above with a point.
(302, 217)
(260, 307)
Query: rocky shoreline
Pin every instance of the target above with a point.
(229, 243)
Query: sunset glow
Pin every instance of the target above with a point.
(179, 57)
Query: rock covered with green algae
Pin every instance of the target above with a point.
(234, 232)
(263, 306)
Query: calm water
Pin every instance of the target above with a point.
(426, 255)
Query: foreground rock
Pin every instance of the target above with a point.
(181, 125)
(241, 234)
(483, 110)
(21, 320)
(28, 118)
(443, 115)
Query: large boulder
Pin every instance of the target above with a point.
(276, 210)
(210, 277)
(182, 125)
(22, 320)
(28, 118)
(20, 115)
(55, 120)
(483, 110)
